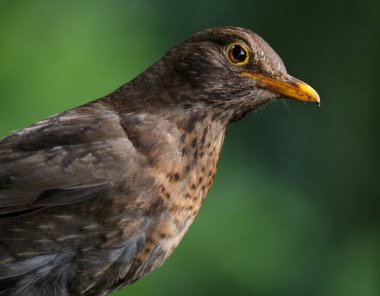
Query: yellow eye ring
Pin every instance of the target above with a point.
(237, 54)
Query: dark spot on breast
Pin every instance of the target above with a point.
(203, 139)
(195, 155)
(193, 186)
(176, 176)
(200, 180)
(173, 177)
(182, 138)
(155, 207)
(194, 142)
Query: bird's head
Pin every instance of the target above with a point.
(229, 70)
(229, 67)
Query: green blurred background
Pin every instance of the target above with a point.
(294, 209)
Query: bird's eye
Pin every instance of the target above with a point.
(237, 54)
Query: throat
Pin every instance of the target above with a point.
(199, 146)
(188, 179)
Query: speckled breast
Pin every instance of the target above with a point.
(183, 160)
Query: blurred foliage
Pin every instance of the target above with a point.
(294, 209)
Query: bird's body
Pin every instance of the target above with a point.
(98, 196)
(117, 200)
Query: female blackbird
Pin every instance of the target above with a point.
(96, 197)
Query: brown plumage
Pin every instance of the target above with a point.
(97, 197)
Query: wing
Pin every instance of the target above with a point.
(64, 159)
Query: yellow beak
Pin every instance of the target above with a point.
(287, 86)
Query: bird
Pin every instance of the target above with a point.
(96, 197)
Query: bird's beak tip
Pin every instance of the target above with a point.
(301, 91)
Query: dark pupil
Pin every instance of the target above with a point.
(238, 53)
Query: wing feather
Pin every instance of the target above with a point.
(64, 159)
